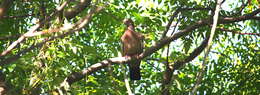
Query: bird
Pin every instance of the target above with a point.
(132, 45)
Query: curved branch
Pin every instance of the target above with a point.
(74, 77)
(196, 25)
(179, 63)
(95, 67)
(192, 56)
(168, 72)
(74, 11)
(79, 25)
(208, 47)
(32, 30)
(79, 75)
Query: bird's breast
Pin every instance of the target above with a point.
(132, 44)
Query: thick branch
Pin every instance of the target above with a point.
(192, 56)
(179, 63)
(79, 25)
(75, 10)
(79, 75)
(95, 67)
(237, 32)
(194, 26)
(241, 18)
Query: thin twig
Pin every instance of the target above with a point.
(241, 8)
(127, 85)
(170, 23)
(237, 32)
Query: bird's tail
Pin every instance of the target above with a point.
(135, 73)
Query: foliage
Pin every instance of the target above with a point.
(233, 68)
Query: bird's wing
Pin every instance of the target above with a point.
(122, 46)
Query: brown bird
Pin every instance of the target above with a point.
(132, 46)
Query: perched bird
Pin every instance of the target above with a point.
(132, 46)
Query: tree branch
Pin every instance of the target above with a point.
(74, 77)
(241, 8)
(170, 23)
(180, 63)
(194, 26)
(237, 32)
(168, 72)
(79, 25)
(75, 10)
(32, 30)
(175, 14)
(208, 47)
(79, 75)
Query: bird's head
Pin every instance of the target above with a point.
(128, 22)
